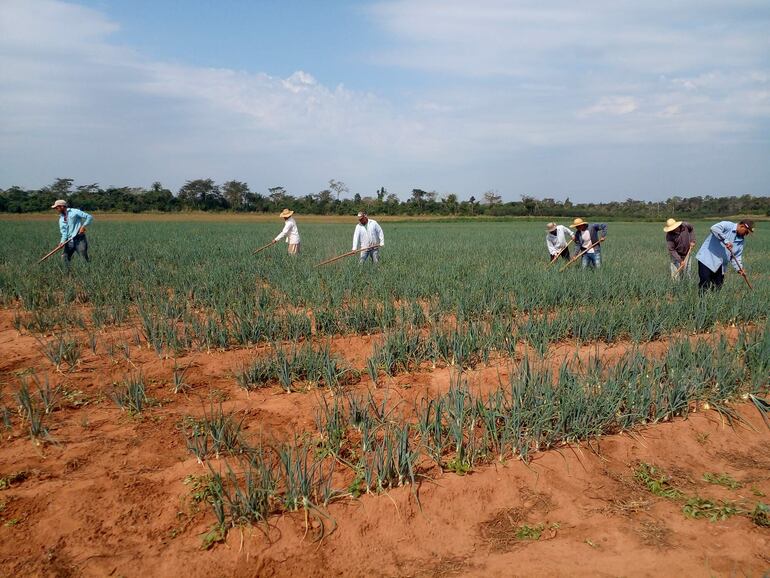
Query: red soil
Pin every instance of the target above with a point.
(107, 497)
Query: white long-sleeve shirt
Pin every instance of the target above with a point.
(557, 242)
(368, 235)
(290, 231)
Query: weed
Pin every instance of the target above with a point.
(14, 478)
(526, 532)
(656, 481)
(697, 507)
(725, 480)
(760, 515)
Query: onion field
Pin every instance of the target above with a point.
(278, 389)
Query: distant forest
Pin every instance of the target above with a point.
(235, 196)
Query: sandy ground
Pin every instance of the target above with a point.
(107, 495)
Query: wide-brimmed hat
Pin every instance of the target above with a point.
(577, 222)
(550, 227)
(286, 213)
(671, 224)
(59, 203)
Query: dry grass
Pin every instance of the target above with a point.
(654, 533)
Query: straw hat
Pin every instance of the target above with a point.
(671, 224)
(286, 213)
(59, 203)
(550, 227)
(577, 222)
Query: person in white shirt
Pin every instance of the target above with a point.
(290, 232)
(368, 233)
(556, 239)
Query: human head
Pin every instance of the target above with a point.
(60, 206)
(579, 224)
(362, 218)
(286, 213)
(745, 227)
(672, 225)
(551, 228)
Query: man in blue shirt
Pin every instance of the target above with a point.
(714, 254)
(72, 225)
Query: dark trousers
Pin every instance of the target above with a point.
(708, 279)
(80, 244)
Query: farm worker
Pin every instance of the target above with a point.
(680, 239)
(714, 254)
(586, 235)
(290, 232)
(368, 233)
(72, 224)
(556, 239)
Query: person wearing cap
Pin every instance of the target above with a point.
(290, 232)
(680, 239)
(556, 240)
(588, 237)
(715, 253)
(72, 225)
(368, 233)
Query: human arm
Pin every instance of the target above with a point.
(380, 235)
(82, 218)
(671, 244)
(720, 231)
(737, 262)
(356, 238)
(601, 229)
(64, 230)
(284, 232)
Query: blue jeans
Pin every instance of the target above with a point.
(373, 254)
(591, 259)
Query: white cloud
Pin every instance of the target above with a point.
(501, 82)
(610, 105)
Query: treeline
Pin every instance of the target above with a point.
(206, 195)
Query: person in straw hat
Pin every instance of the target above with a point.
(72, 226)
(725, 238)
(290, 232)
(587, 236)
(556, 239)
(680, 239)
(368, 233)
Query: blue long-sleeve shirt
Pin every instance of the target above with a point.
(70, 226)
(713, 254)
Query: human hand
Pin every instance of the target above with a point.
(729, 246)
(692, 243)
(82, 231)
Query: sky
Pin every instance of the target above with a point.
(593, 100)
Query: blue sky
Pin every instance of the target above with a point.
(594, 100)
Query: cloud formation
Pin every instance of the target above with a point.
(522, 97)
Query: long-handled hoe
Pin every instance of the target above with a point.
(579, 255)
(348, 254)
(684, 261)
(270, 244)
(556, 257)
(56, 249)
(741, 272)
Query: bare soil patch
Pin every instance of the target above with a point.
(107, 495)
